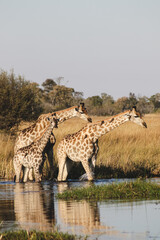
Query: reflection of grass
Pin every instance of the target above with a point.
(128, 151)
(132, 190)
(34, 235)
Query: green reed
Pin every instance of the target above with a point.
(138, 189)
(34, 235)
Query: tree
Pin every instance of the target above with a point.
(95, 101)
(108, 105)
(107, 98)
(132, 100)
(122, 104)
(62, 97)
(155, 99)
(78, 97)
(19, 100)
(48, 85)
(144, 105)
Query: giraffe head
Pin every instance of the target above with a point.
(135, 117)
(53, 120)
(81, 112)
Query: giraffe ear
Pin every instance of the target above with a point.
(82, 105)
(134, 107)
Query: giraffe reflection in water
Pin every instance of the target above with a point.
(83, 214)
(33, 208)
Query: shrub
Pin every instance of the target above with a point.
(19, 100)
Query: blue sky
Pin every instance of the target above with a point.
(98, 46)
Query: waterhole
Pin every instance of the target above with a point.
(34, 206)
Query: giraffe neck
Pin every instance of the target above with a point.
(36, 129)
(44, 139)
(101, 128)
(65, 114)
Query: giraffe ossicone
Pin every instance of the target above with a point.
(83, 145)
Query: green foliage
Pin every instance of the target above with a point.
(61, 97)
(144, 105)
(48, 85)
(23, 100)
(19, 100)
(106, 105)
(155, 99)
(34, 235)
(127, 190)
(95, 101)
(56, 97)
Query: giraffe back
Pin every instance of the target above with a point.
(32, 133)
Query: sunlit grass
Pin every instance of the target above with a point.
(6, 155)
(125, 191)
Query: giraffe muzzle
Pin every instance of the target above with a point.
(145, 124)
(89, 119)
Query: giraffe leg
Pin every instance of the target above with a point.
(50, 159)
(36, 167)
(92, 163)
(62, 167)
(52, 141)
(67, 167)
(25, 177)
(37, 174)
(49, 151)
(87, 169)
(94, 157)
(30, 174)
(17, 168)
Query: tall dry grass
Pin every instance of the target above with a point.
(6, 155)
(7, 142)
(130, 149)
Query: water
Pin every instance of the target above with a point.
(34, 206)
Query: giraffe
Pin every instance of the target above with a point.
(83, 145)
(31, 156)
(32, 133)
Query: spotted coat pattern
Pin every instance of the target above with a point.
(31, 156)
(32, 133)
(83, 145)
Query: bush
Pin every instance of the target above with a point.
(19, 100)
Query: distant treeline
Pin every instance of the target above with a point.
(24, 100)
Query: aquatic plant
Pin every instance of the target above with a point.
(34, 235)
(138, 189)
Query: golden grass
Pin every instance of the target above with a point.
(7, 151)
(128, 148)
(6, 155)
